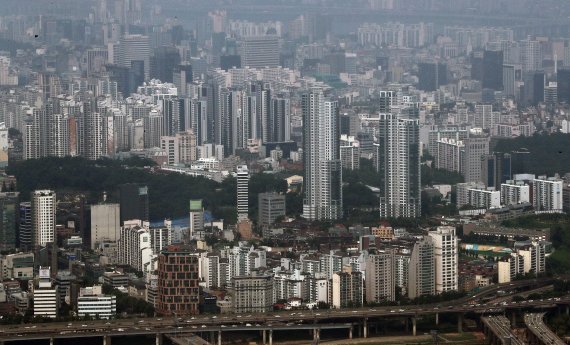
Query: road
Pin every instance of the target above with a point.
(535, 323)
(501, 328)
(289, 319)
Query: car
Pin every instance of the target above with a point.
(203, 326)
(401, 310)
(224, 326)
(214, 317)
(83, 325)
(276, 315)
(120, 330)
(248, 325)
(141, 321)
(392, 311)
(238, 316)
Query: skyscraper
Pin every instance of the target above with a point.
(321, 155)
(134, 48)
(8, 202)
(495, 169)
(133, 202)
(43, 217)
(493, 70)
(25, 240)
(431, 76)
(398, 162)
(242, 192)
(563, 88)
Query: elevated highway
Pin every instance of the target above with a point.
(305, 319)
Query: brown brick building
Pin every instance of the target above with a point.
(178, 291)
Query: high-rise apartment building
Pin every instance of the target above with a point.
(398, 162)
(180, 148)
(347, 288)
(252, 294)
(134, 246)
(380, 277)
(446, 258)
(43, 217)
(514, 192)
(449, 154)
(321, 157)
(178, 290)
(547, 194)
(421, 271)
(242, 192)
(105, 223)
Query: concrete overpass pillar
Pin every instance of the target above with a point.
(365, 328)
(437, 319)
(414, 326)
(264, 332)
(51, 341)
(350, 333)
(106, 340)
(270, 337)
(568, 310)
(158, 340)
(513, 319)
(459, 323)
(220, 338)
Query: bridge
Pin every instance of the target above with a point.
(498, 330)
(539, 333)
(316, 320)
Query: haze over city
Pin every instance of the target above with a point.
(284, 172)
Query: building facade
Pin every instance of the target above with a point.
(321, 157)
(178, 290)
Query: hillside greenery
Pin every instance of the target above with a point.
(559, 261)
